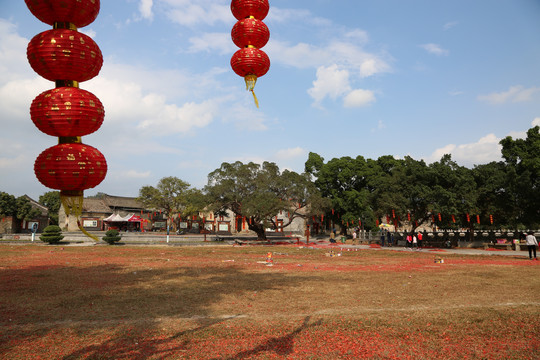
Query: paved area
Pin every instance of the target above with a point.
(234, 240)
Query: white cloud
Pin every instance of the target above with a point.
(287, 154)
(163, 119)
(145, 8)
(514, 94)
(245, 116)
(435, 49)
(208, 42)
(134, 174)
(536, 122)
(191, 13)
(450, 25)
(485, 150)
(281, 15)
(331, 82)
(13, 62)
(88, 32)
(359, 98)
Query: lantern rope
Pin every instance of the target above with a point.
(72, 201)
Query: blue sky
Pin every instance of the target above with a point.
(348, 77)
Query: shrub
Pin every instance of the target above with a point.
(112, 236)
(52, 234)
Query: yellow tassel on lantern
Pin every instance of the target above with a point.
(72, 201)
(251, 80)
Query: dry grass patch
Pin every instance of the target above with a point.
(221, 303)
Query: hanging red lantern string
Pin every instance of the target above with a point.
(67, 57)
(250, 34)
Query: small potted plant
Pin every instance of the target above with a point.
(52, 234)
(112, 237)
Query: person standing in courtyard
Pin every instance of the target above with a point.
(532, 243)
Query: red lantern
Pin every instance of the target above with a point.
(80, 12)
(67, 112)
(250, 61)
(70, 167)
(64, 54)
(242, 9)
(250, 32)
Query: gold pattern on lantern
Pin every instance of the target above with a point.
(70, 157)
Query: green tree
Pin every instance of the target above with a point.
(51, 200)
(402, 189)
(454, 192)
(260, 192)
(25, 210)
(492, 195)
(8, 204)
(20, 208)
(522, 158)
(345, 182)
(171, 195)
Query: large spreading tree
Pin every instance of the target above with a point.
(260, 192)
(172, 195)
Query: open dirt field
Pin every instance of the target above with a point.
(224, 302)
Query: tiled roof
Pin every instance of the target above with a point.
(96, 206)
